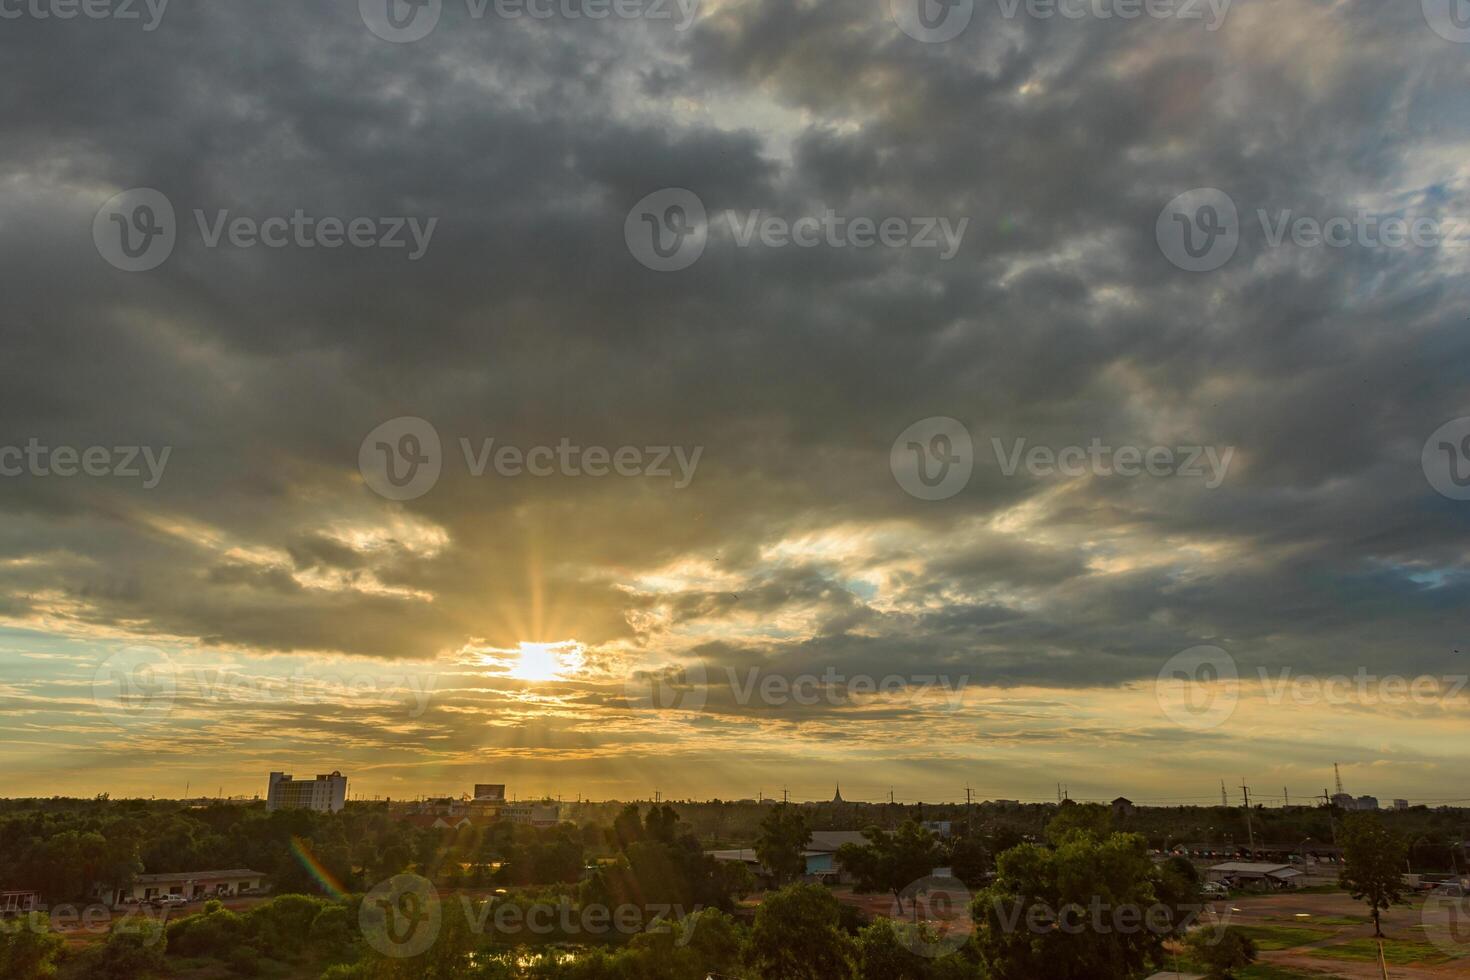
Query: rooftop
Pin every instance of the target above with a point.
(198, 876)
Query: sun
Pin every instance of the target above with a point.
(546, 661)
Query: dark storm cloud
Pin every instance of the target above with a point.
(528, 321)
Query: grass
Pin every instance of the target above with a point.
(1399, 952)
(1267, 971)
(1256, 971)
(1284, 937)
(1336, 920)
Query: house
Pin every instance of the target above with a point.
(820, 855)
(18, 903)
(189, 884)
(1123, 807)
(1265, 875)
(432, 821)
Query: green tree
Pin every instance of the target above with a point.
(131, 953)
(1073, 817)
(1222, 953)
(627, 827)
(882, 954)
(891, 862)
(1373, 862)
(970, 860)
(797, 936)
(29, 950)
(1088, 909)
(784, 835)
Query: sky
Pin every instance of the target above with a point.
(735, 397)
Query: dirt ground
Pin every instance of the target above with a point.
(1443, 931)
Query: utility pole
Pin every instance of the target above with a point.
(1249, 826)
(784, 795)
(1287, 793)
(1224, 800)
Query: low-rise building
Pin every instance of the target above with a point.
(325, 794)
(189, 884)
(1247, 873)
(533, 814)
(18, 903)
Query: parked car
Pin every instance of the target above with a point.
(1215, 889)
(248, 892)
(170, 901)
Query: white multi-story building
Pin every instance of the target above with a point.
(325, 794)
